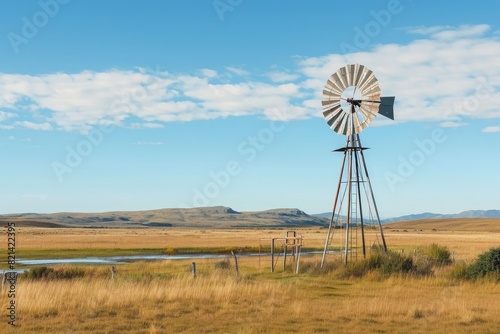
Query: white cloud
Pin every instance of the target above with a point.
(26, 140)
(449, 75)
(491, 129)
(208, 73)
(35, 126)
(437, 79)
(237, 71)
(6, 115)
(450, 32)
(146, 125)
(451, 124)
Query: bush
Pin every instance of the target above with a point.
(459, 271)
(386, 263)
(225, 264)
(487, 264)
(396, 263)
(39, 273)
(354, 269)
(439, 255)
(58, 273)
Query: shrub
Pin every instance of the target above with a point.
(225, 264)
(439, 255)
(354, 269)
(487, 264)
(39, 273)
(422, 266)
(396, 263)
(459, 271)
(58, 273)
(387, 263)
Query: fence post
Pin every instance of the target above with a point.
(272, 255)
(193, 269)
(235, 262)
(113, 271)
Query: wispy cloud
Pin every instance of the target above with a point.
(25, 140)
(237, 71)
(146, 125)
(34, 126)
(491, 129)
(445, 80)
(449, 75)
(208, 73)
(452, 124)
(450, 32)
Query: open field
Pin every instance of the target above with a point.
(163, 297)
(61, 242)
(451, 224)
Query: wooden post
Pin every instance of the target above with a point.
(235, 262)
(285, 246)
(113, 271)
(193, 269)
(272, 255)
(297, 259)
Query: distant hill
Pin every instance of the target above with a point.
(430, 215)
(208, 217)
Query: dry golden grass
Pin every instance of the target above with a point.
(162, 297)
(451, 224)
(78, 238)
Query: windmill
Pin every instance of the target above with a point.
(351, 100)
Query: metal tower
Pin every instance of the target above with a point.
(355, 221)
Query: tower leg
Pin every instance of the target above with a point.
(355, 179)
(381, 230)
(335, 202)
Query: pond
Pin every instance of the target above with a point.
(122, 259)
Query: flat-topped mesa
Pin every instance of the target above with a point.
(286, 212)
(215, 209)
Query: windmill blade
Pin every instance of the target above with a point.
(387, 107)
(369, 76)
(346, 127)
(358, 125)
(330, 95)
(342, 77)
(368, 114)
(333, 86)
(338, 125)
(332, 114)
(359, 74)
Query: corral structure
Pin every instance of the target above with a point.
(289, 246)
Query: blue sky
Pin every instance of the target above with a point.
(130, 105)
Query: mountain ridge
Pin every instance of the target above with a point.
(209, 217)
(213, 217)
(430, 215)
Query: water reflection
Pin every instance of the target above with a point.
(121, 259)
